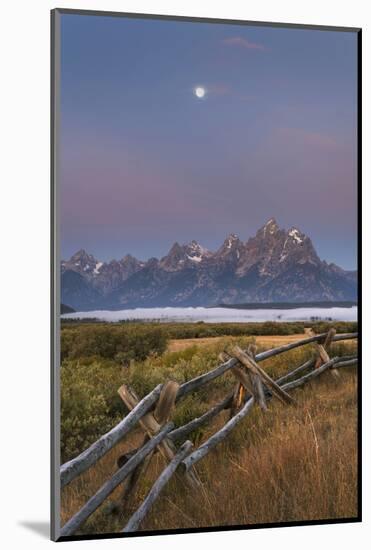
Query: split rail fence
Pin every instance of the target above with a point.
(153, 412)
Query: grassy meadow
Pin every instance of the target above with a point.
(288, 464)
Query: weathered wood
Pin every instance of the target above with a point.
(118, 477)
(252, 349)
(241, 396)
(298, 370)
(238, 398)
(97, 450)
(259, 393)
(199, 381)
(133, 480)
(310, 376)
(347, 357)
(347, 363)
(325, 347)
(323, 356)
(329, 338)
(218, 437)
(256, 382)
(148, 422)
(166, 401)
(240, 389)
(266, 379)
(196, 423)
(223, 357)
(151, 426)
(136, 519)
(243, 378)
(287, 347)
(335, 362)
(161, 414)
(308, 364)
(140, 412)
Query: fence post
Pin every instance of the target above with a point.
(323, 349)
(157, 434)
(151, 424)
(241, 388)
(256, 381)
(266, 379)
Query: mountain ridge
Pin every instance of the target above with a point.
(275, 265)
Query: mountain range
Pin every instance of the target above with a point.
(276, 265)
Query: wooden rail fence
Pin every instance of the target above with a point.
(152, 414)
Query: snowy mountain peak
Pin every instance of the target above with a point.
(194, 245)
(180, 255)
(275, 265)
(196, 252)
(82, 255)
(231, 249)
(269, 228)
(82, 262)
(296, 235)
(231, 240)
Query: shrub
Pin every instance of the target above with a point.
(120, 343)
(205, 330)
(340, 326)
(90, 405)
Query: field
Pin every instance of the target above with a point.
(288, 464)
(179, 344)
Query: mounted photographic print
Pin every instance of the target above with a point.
(206, 274)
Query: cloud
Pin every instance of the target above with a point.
(243, 43)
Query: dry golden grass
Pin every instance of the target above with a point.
(266, 341)
(289, 464)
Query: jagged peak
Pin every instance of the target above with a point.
(193, 245)
(271, 222)
(129, 258)
(81, 254)
(175, 248)
(269, 228)
(296, 235)
(231, 240)
(231, 247)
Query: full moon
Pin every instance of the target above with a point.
(200, 92)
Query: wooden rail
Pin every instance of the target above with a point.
(167, 473)
(90, 456)
(152, 413)
(74, 523)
